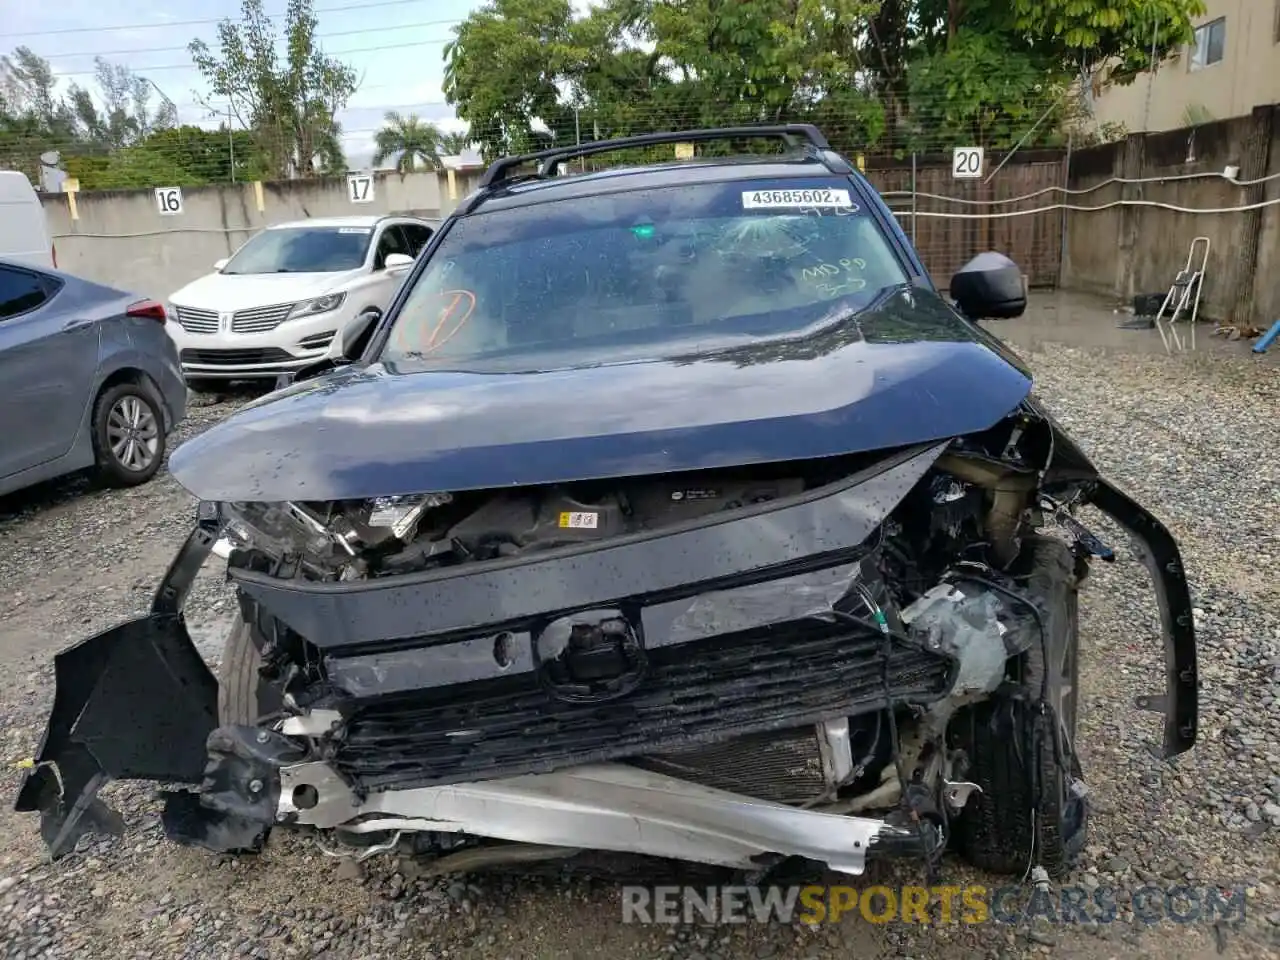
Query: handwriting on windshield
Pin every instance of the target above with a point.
(823, 271)
(420, 337)
(833, 279)
(812, 211)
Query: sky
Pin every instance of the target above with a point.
(395, 47)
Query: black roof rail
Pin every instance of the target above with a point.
(551, 159)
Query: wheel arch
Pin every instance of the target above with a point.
(138, 378)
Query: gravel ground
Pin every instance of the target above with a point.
(1188, 436)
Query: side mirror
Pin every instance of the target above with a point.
(347, 347)
(350, 341)
(989, 286)
(397, 261)
(219, 264)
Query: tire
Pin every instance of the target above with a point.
(243, 695)
(1017, 753)
(128, 435)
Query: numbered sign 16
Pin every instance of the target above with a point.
(169, 201)
(360, 188)
(966, 162)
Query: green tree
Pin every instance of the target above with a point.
(409, 140)
(288, 103)
(34, 119)
(900, 74)
(452, 144)
(125, 115)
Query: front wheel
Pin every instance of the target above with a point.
(128, 435)
(244, 694)
(1021, 747)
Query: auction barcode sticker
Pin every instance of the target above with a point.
(772, 199)
(580, 521)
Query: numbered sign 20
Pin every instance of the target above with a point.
(966, 162)
(169, 201)
(360, 188)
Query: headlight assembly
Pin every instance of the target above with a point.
(310, 308)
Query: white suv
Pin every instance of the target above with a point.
(279, 301)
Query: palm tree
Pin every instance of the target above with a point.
(452, 144)
(411, 139)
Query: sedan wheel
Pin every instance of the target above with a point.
(133, 434)
(128, 435)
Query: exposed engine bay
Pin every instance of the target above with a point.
(840, 702)
(833, 660)
(396, 535)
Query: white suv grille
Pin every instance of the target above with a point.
(260, 319)
(197, 321)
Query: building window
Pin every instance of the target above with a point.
(1210, 44)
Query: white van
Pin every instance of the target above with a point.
(24, 232)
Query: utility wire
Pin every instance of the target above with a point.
(153, 25)
(190, 66)
(137, 51)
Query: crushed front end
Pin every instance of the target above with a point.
(734, 668)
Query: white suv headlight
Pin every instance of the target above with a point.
(310, 308)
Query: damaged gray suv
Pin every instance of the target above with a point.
(668, 510)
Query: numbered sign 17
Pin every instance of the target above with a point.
(966, 162)
(360, 188)
(169, 201)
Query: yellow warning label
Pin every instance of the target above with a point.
(579, 520)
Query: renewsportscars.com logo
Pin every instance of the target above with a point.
(971, 904)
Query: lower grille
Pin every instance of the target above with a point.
(783, 767)
(695, 694)
(235, 358)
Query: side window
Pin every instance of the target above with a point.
(417, 235)
(21, 291)
(391, 241)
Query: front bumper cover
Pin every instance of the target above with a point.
(138, 703)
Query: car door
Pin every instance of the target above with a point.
(417, 235)
(392, 240)
(377, 287)
(48, 359)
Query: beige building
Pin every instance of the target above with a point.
(1232, 67)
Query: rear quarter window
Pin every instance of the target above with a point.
(22, 291)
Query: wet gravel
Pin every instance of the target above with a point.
(1190, 437)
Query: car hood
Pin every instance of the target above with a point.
(908, 370)
(223, 291)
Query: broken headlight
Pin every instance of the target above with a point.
(330, 538)
(401, 514)
(282, 530)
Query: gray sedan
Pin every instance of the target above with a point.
(89, 379)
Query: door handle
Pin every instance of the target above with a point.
(76, 323)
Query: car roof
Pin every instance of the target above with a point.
(522, 192)
(366, 220)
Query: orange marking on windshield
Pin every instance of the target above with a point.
(454, 305)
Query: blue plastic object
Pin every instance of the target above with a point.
(1267, 338)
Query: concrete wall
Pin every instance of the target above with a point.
(121, 239)
(1247, 75)
(1139, 249)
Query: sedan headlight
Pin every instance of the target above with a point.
(323, 304)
